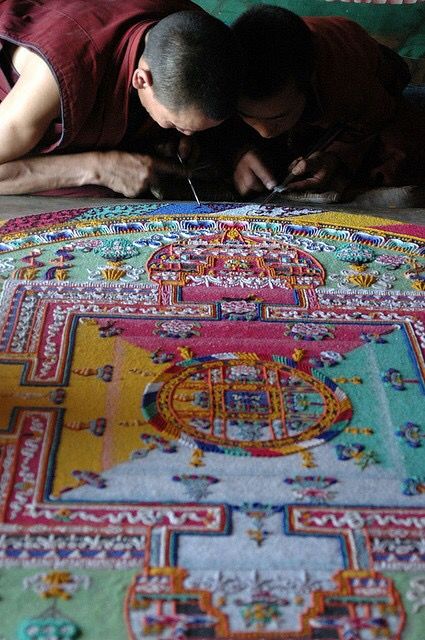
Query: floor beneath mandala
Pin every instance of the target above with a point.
(13, 206)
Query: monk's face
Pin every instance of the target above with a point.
(272, 116)
(188, 120)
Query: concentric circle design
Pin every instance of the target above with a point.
(242, 404)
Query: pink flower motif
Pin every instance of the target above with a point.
(390, 261)
(310, 331)
(177, 329)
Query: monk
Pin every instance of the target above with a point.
(84, 84)
(308, 77)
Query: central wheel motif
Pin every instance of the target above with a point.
(239, 404)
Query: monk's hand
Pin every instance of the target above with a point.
(321, 171)
(251, 174)
(131, 174)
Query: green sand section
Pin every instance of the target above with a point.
(405, 584)
(105, 212)
(334, 266)
(87, 265)
(380, 407)
(129, 253)
(98, 611)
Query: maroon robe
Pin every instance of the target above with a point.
(358, 83)
(91, 47)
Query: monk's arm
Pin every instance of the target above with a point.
(42, 173)
(25, 115)
(126, 173)
(28, 109)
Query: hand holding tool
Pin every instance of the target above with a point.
(320, 145)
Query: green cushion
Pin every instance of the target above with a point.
(401, 27)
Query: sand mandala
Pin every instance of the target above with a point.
(211, 424)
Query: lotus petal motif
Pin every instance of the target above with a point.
(362, 279)
(113, 273)
(419, 285)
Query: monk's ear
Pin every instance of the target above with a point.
(142, 78)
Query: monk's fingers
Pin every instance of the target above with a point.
(299, 169)
(299, 166)
(317, 181)
(263, 176)
(254, 182)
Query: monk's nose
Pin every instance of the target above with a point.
(263, 129)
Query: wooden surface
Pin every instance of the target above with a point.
(13, 206)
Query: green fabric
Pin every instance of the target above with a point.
(414, 45)
(402, 27)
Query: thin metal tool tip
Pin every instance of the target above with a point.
(189, 181)
(269, 197)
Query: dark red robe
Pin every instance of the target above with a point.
(356, 84)
(91, 47)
